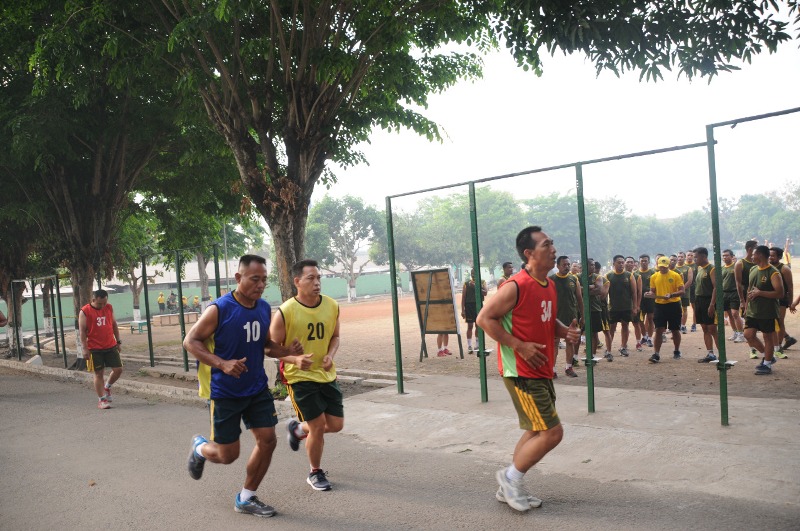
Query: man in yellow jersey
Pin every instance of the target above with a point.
(730, 296)
(666, 288)
(313, 319)
(764, 289)
(162, 302)
(775, 260)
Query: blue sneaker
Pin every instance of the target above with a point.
(708, 359)
(294, 440)
(764, 368)
(318, 480)
(196, 462)
(254, 506)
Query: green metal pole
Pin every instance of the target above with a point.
(722, 366)
(61, 317)
(180, 308)
(55, 325)
(587, 308)
(147, 312)
(17, 320)
(35, 317)
(476, 261)
(216, 271)
(398, 351)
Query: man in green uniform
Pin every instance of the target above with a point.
(730, 296)
(647, 304)
(742, 273)
(705, 290)
(764, 289)
(775, 257)
(598, 293)
(630, 266)
(622, 298)
(570, 304)
(688, 278)
(693, 266)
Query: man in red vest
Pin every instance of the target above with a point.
(101, 344)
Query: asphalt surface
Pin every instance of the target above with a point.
(422, 460)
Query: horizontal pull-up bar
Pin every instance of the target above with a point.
(559, 167)
(737, 121)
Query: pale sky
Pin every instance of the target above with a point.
(512, 121)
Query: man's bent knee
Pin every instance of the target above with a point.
(553, 436)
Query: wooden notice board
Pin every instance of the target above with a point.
(436, 305)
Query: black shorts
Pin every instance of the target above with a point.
(784, 302)
(647, 306)
(762, 325)
(257, 411)
(623, 316)
(701, 305)
(312, 399)
(692, 296)
(100, 359)
(685, 301)
(599, 324)
(668, 316)
(470, 312)
(637, 317)
(730, 300)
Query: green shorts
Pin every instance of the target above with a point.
(227, 414)
(535, 402)
(312, 399)
(100, 359)
(766, 326)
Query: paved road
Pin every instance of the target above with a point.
(67, 465)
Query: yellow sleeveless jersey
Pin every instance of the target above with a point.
(313, 327)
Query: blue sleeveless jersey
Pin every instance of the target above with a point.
(241, 333)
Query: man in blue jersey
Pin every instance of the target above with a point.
(231, 337)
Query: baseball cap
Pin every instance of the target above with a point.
(663, 261)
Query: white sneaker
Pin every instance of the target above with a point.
(739, 338)
(534, 502)
(513, 492)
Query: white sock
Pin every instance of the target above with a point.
(199, 450)
(107, 386)
(299, 432)
(710, 352)
(513, 474)
(246, 495)
(469, 343)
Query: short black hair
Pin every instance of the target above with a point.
(613, 260)
(525, 240)
(644, 256)
(728, 251)
(778, 252)
(763, 250)
(750, 244)
(507, 264)
(704, 251)
(99, 294)
(562, 257)
(632, 258)
(297, 269)
(248, 259)
(675, 255)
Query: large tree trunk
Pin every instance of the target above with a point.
(47, 309)
(82, 276)
(202, 264)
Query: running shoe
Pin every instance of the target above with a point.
(533, 501)
(569, 371)
(764, 368)
(649, 342)
(623, 352)
(753, 354)
(655, 358)
(108, 393)
(253, 506)
(676, 354)
(694, 328)
(788, 342)
(441, 354)
(638, 346)
(781, 354)
(318, 481)
(683, 329)
(513, 492)
(294, 440)
(708, 359)
(739, 338)
(575, 362)
(196, 462)
(103, 404)
(609, 356)
(732, 337)
(447, 351)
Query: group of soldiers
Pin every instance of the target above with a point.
(757, 290)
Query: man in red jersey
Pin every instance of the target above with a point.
(100, 339)
(522, 318)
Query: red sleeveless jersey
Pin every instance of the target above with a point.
(99, 327)
(533, 319)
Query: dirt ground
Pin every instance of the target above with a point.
(367, 343)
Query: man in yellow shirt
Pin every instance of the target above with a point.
(666, 287)
(313, 319)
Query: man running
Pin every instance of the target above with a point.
(647, 304)
(730, 296)
(100, 339)
(764, 289)
(688, 278)
(742, 273)
(521, 317)
(775, 257)
(312, 318)
(621, 295)
(231, 337)
(570, 305)
(705, 291)
(666, 287)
